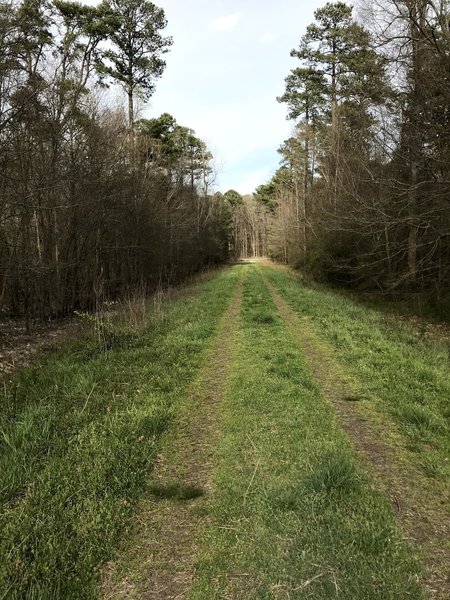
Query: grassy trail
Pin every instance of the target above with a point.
(294, 513)
(238, 447)
(79, 435)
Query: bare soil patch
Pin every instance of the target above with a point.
(419, 504)
(20, 346)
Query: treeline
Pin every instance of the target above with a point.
(94, 204)
(362, 197)
(248, 225)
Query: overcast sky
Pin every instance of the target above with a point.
(224, 71)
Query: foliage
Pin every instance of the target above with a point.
(176, 148)
(266, 194)
(248, 228)
(135, 59)
(87, 214)
(364, 204)
(233, 198)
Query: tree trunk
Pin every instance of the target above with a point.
(130, 109)
(415, 146)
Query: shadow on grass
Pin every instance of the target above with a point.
(354, 398)
(176, 491)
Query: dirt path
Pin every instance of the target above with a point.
(160, 563)
(422, 516)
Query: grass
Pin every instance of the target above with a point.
(157, 554)
(403, 374)
(292, 515)
(292, 512)
(78, 437)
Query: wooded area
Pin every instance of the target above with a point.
(255, 434)
(93, 202)
(96, 203)
(362, 195)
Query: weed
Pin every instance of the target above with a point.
(177, 492)
(418, 416)
(22, 445)
(354, 398)
(134, 310)
(263, 318)
(432, 467)
(334, 473)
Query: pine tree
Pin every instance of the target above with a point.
(136, 58)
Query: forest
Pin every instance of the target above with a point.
(361, 198)
(193, 403)
(96, 202)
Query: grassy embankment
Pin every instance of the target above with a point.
(293, 514)
(79, 433)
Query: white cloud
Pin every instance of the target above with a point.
(224, 23)
(241, 128)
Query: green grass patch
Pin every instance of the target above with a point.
(406, 372)
(292, 514)
(79, 433)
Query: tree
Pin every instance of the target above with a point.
(24, 37)
(175, 148)
(420, 162)
(233, 197)
(266, 194)
(80, 222)
(135, 60)
(305, 94)
(340, 74)
(340, 60)
(85, 27)
(368, 164)
(248, 232)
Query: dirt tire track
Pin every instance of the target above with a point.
(422, 516)
(170, 526)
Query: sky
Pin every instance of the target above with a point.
(224, 71)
